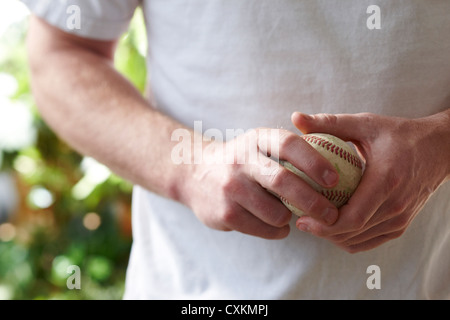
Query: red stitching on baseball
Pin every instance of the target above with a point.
(353, 160)
(338, 196)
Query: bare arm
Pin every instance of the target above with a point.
(97, 111)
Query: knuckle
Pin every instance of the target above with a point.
(229, 217)
(313, 204)
(392, 212)
(278, 177)
(368, 118)
(400, 223)
(329, 119)
(287, 139)
(270, 212)
(399, 207)
(232, 187)
(313, 163)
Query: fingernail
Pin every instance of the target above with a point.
(330, 215)
(306, 117)
(303, 227)
(329, 177)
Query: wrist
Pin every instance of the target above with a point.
(437, 129)
(443, 129)
(187, 163)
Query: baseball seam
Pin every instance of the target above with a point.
(337, 196)
(350, 158)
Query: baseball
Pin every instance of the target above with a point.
(348, 165)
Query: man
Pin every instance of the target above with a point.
(242, 65)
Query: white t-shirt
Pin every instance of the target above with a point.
(244, 64)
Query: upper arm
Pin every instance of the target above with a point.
(44, 39)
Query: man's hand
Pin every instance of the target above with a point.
(406, 161)
(229, 189)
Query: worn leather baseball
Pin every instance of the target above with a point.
(344, 158)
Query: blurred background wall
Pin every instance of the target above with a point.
(57, 208)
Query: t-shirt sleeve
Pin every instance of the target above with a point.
(95, 19)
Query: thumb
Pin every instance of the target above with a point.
(348, 127)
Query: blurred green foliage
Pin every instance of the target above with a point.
(53, 226)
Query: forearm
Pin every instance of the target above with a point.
(99, 113)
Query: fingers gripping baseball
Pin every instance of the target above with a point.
(396, 183)
(286, 145)
(348, 127)
(343, 158)
(241, 195)
(224, 198)
(298, 191)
